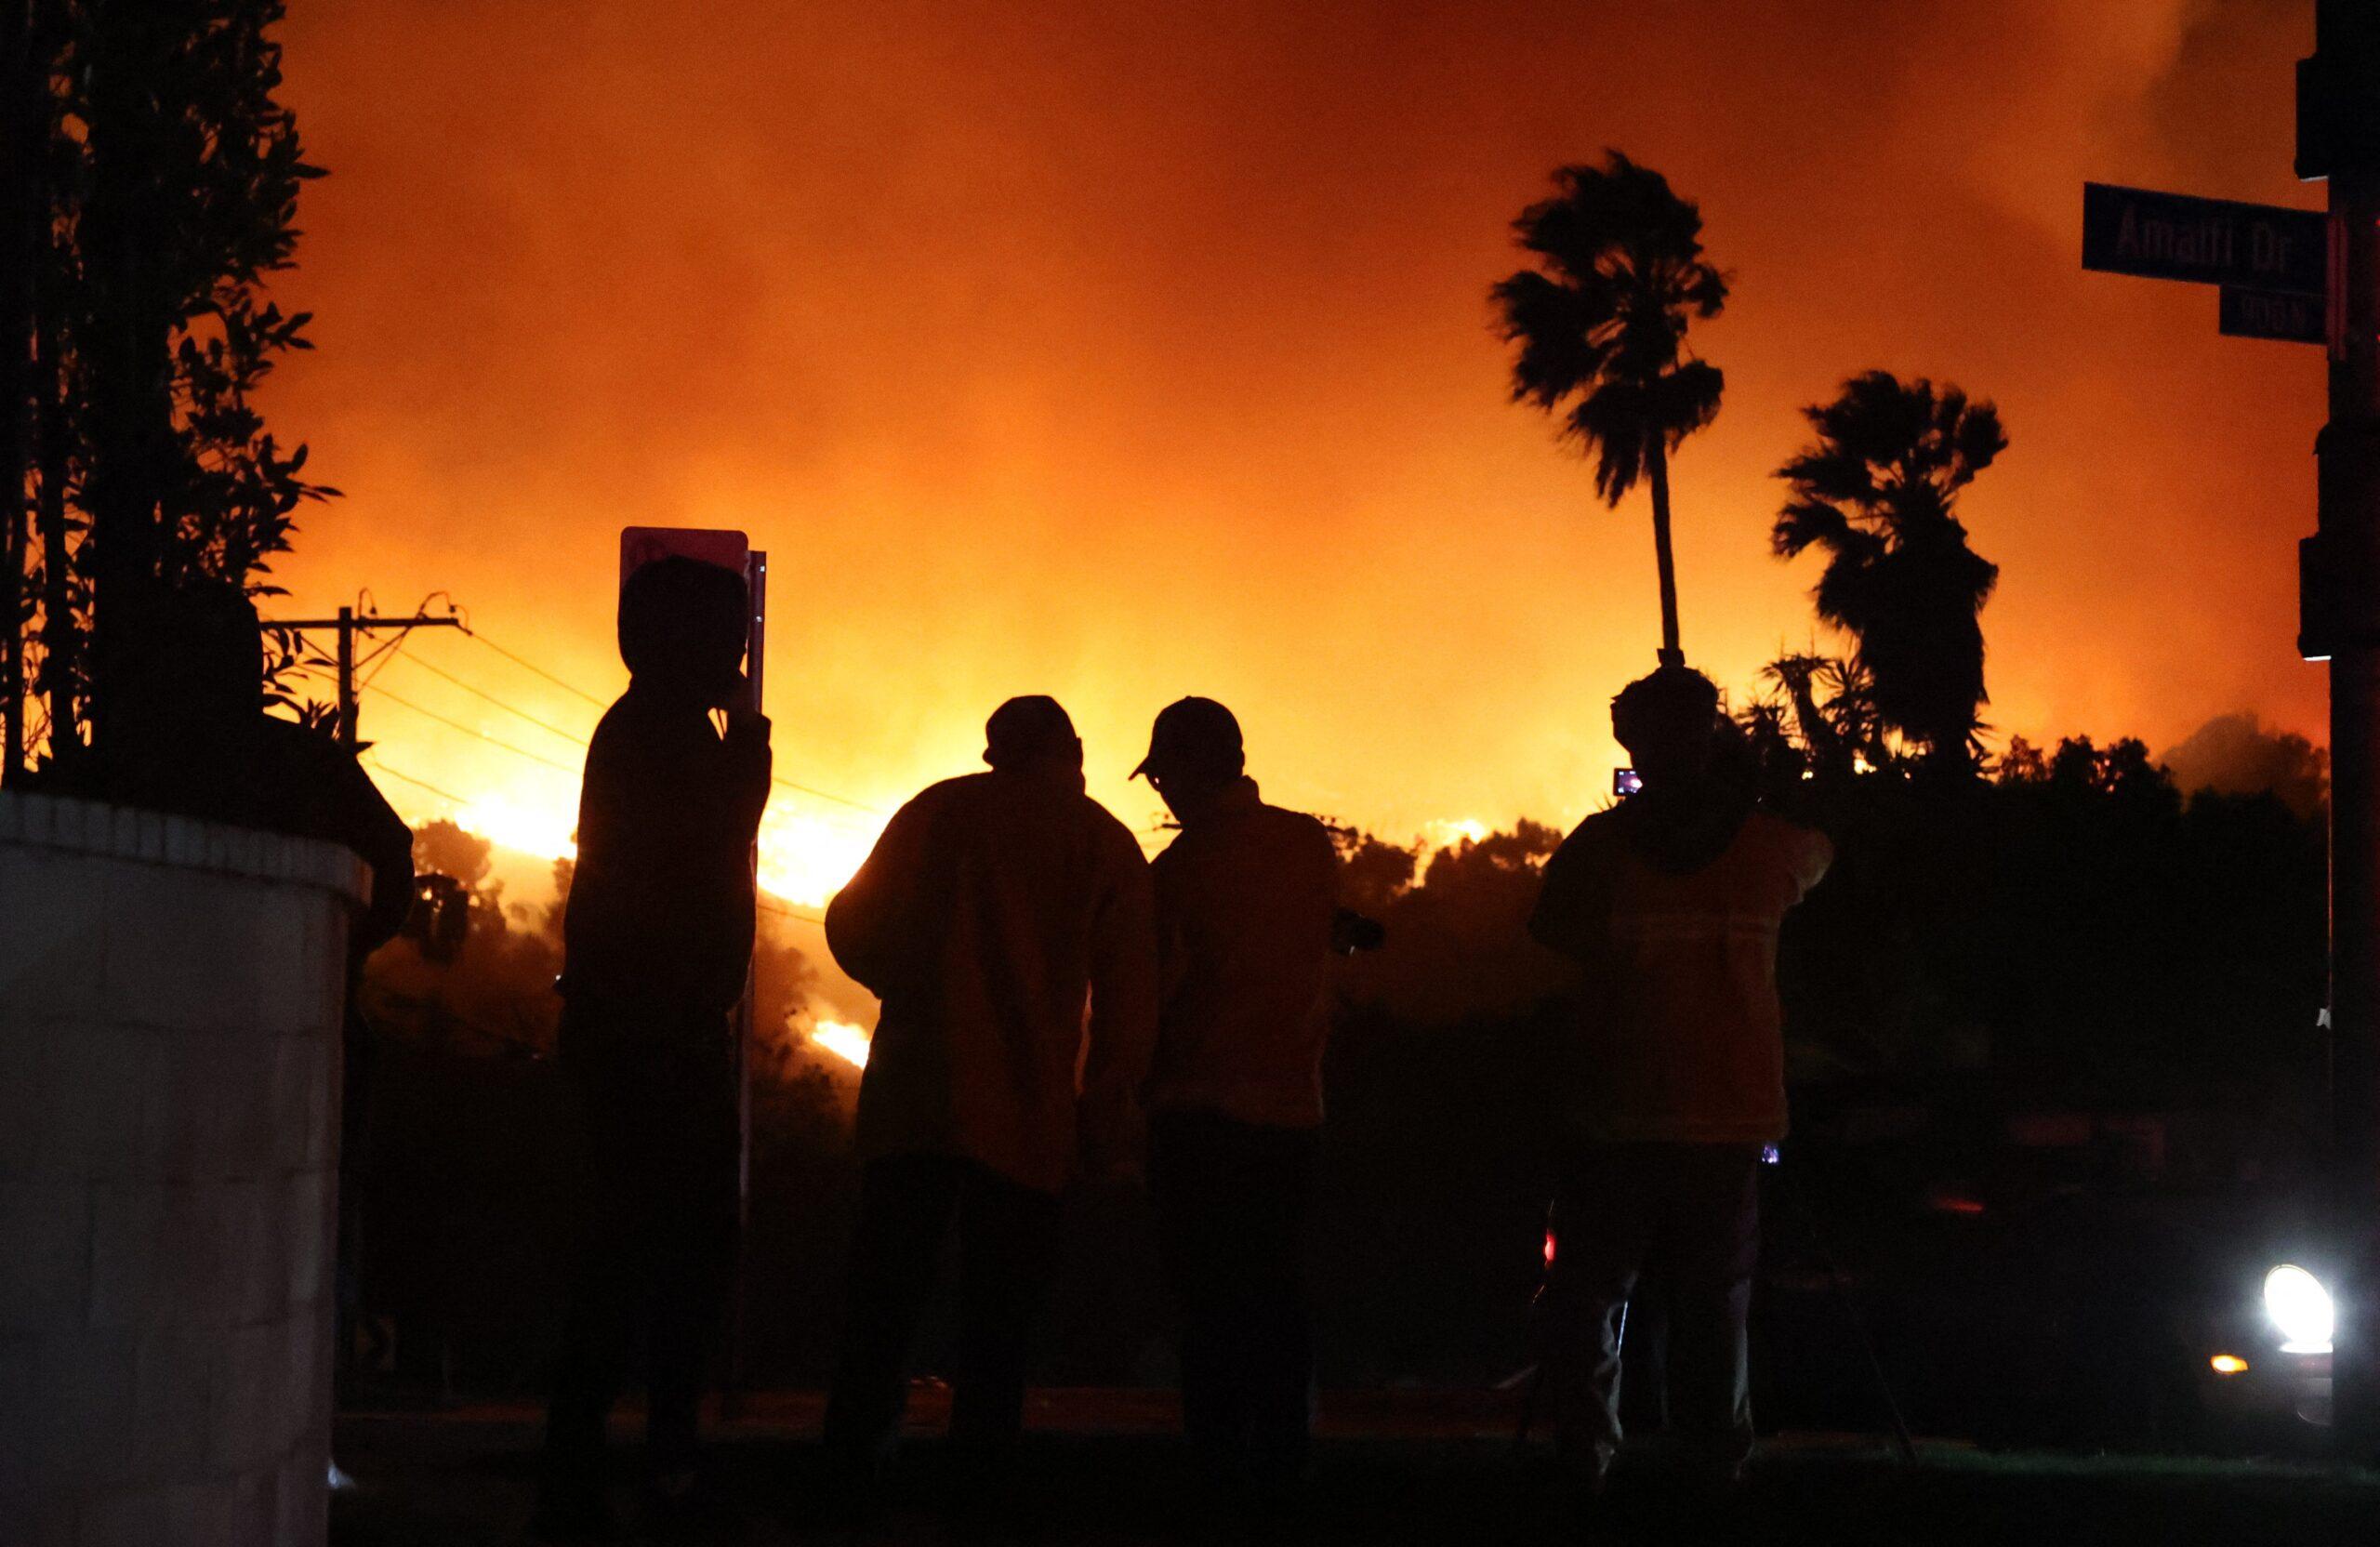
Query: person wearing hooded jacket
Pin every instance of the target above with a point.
(993, 907)
(657, 939)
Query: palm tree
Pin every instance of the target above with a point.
(1840, 735)
(1603, 320)
(1878, 492)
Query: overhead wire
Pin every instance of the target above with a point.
(420, 784)
(470, 731)
(811, 790)
(545, 725)
(533, 667)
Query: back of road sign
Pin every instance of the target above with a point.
(2137, 230)
(2246, 314)
(642, 545)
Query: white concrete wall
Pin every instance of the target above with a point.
(170, 1075)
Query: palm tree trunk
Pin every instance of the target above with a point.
(20, 162)
(1656, 466)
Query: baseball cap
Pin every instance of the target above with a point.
(1025, 728)
(1191, 732)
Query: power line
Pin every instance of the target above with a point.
(469, 731)
(509, 708)
(813, 792)
(807, 917)
(822, 795)
(530, 666)
(422, 784)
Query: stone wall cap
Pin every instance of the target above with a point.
(159, 838)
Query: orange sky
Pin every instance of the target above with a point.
(1123, 352)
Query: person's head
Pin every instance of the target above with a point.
(683, 624)
(1668, 722)
(1033, 735)
(1195, 751)
(197, 660)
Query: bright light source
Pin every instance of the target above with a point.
(2228, 1364)
(2300, 1307)
(843, 1039)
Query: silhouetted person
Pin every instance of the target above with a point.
(1246, 900)
(991, 907)
(1671, 905)
(657, 939)
(186, 731)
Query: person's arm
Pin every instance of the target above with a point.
(871, 922)
(1573, 904)
(1169, 877)
(1123, 1015)
(1814, 855)
(693, 797)
(749, 764)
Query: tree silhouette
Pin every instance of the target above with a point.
(1877, 492)
(1823, 709)
(149, 194)
(1603, 320)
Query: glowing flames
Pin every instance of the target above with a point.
(527, 829)
(805, 858)
(843, 1039)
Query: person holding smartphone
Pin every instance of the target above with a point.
(657, 940)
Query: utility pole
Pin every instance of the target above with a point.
(2338, 137)
(350, 623)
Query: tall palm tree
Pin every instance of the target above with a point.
(1878, 492)
(1602, 320)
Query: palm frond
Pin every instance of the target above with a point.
(1804, 523)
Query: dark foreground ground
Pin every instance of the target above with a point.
(1390, 1469)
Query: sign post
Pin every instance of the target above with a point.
(730, 551)
(2339, 139)
(2297, 275)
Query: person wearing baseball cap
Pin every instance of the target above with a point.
(993, 907)
(1245, 899)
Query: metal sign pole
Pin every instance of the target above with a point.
(2338, 137)
(756, 577)
(2350, 525)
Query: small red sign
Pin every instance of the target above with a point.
(642, 545)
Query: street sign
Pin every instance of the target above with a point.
(729, 550)
(642, 545)
(2274, 314)
(2135, 231)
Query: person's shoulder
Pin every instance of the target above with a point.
(1807, 851)
(1592, 847)
(632, 718)
(958, 793)
(959, 786)
(1599, 830)
(1296, 831)
(1110, 827)
(1763, 825)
